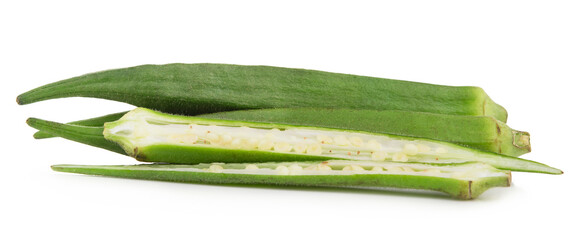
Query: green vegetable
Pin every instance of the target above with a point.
(91, 122)
(462, 181)
(480, 132)
(192, 89)
(157, 137)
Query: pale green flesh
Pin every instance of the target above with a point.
(466, 171)
(470, 172)
(142, 127)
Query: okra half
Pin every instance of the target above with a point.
(480, 132)
(152, 136)
(192, 89)
(461, 181)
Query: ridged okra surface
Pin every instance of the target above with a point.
(192, 89)
(461, 181)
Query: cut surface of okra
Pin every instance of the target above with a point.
(152, 136)
(462, 181)
(192, 89)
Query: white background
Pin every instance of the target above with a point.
(520, 52)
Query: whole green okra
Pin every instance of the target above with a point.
(479, 132)
(157, 137)
(461, 181)
(192, 89)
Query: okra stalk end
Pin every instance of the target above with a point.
(521, 140)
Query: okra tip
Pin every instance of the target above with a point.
(31, 121)
(21, 100)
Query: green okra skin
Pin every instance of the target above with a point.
(91, 122)
(158, 137)
(192, 89)
(480, 132)
(461, 181)
(83, 134)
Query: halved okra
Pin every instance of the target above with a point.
(480, 132)
(192, 89)
(461, 181)
(152, 136)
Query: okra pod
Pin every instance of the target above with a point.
(461, 181)
(480, 132)
(91, 122)
(192, 89)
(152, 136)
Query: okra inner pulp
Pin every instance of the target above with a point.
(333, 144)
(470, 172)
(141, 129)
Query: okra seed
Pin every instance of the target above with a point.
(410, 149)
(282, 170)
(314, 149)
(374, 145)
(300, 148)
(356, 141)
(341, 140)
(380, 155)
(353, 168)
(282, 147)
(295, 168)
(251, 167)
(215, 168)
(400, 157)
